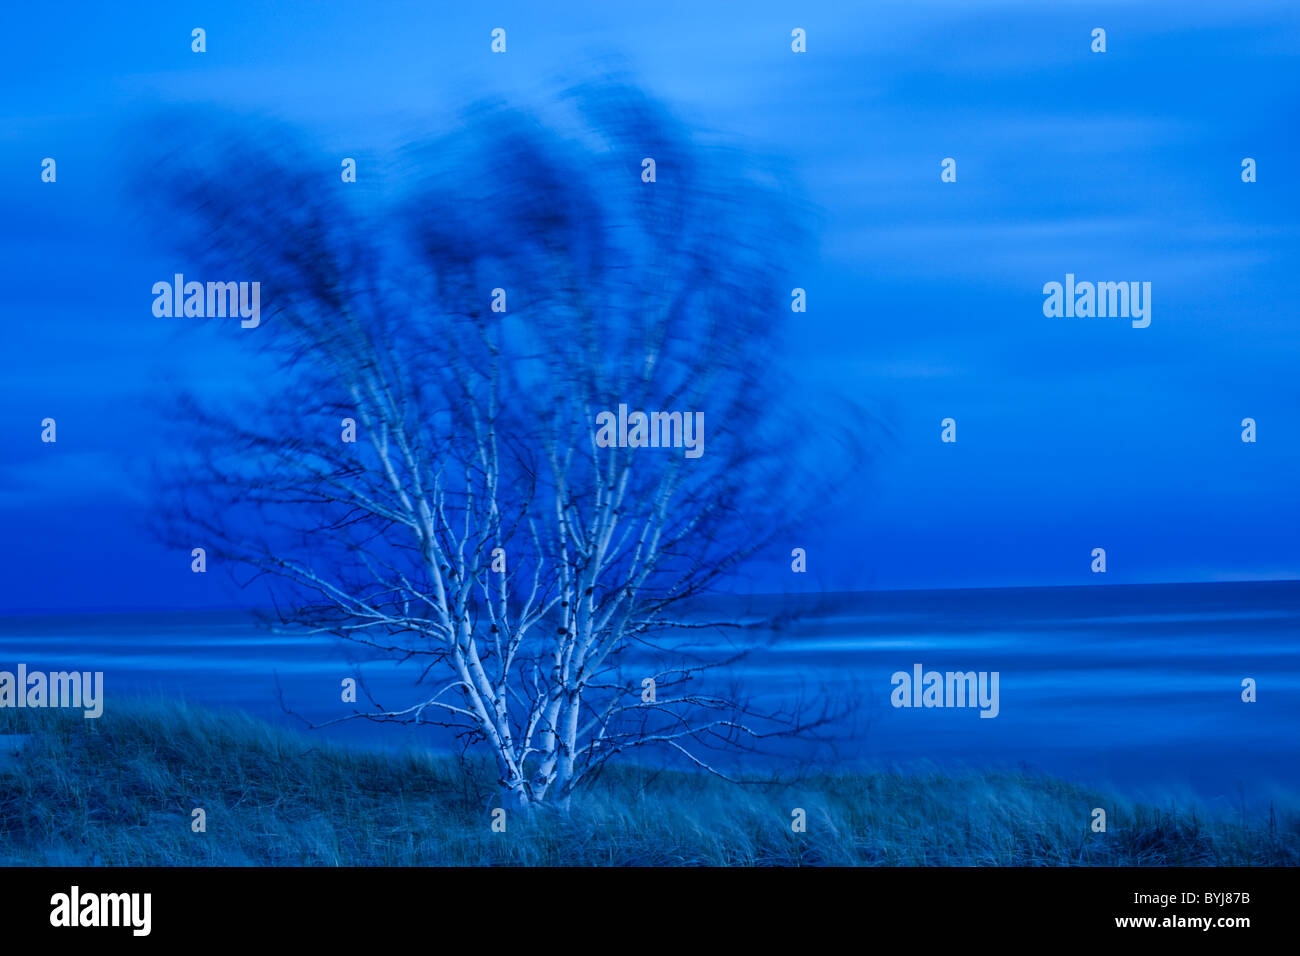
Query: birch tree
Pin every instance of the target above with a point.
(472, 315)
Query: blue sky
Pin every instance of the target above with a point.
(924, 298)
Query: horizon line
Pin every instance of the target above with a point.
(123, 611)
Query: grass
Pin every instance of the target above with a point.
(120, 791)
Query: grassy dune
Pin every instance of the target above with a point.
(120, 790)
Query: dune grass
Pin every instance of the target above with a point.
(121, 790)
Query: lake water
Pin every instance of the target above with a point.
(1137, 688)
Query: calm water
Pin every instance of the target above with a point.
(1138, 688)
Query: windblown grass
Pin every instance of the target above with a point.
(120, 790)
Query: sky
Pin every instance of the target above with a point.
(924, 297)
